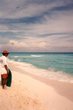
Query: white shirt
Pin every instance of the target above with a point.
(3, 61)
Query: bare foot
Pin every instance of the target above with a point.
(4, 86)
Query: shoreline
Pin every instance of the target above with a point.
(56, 84)
(50, 74)
(32, 92)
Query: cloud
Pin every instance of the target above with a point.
(57, 42)
(36, 25)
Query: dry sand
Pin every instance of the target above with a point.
(32, 92)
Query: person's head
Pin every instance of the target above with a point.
(5, 53)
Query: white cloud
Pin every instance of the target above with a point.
(40, 36)
(51, 43)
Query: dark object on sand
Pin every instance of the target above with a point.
(9, 79)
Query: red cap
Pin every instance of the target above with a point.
(5, 52)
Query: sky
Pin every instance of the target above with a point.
(36, 25)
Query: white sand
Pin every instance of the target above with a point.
(31, 92)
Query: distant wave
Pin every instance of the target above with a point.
(27, 56)
(21, 57)
(15, 56)
(36, 55)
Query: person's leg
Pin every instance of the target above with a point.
(3, 81)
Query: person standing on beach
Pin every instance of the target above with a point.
(4, 68)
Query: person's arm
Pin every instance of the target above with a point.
(6, 68)
(5, 63)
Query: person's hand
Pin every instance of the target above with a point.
(7, 71)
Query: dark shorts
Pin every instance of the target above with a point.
(4, 78)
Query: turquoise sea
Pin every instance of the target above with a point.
(55, 61)
(58, 62)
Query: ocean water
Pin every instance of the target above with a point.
(60, 63)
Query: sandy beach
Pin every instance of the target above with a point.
(29, 91)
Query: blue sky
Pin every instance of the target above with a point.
(36, 25)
